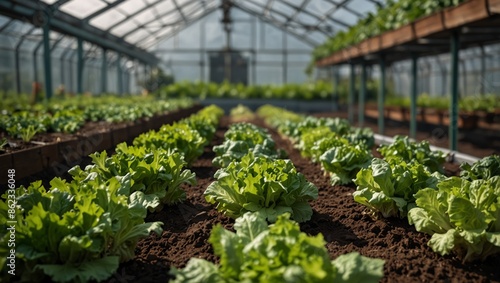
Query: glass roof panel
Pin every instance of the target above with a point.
(171, 18)
(345, 16)
(181, 3)
(144, 17)
(82, 9)
(107, 19)
(164, 7)
(283, 8)
(362, 7)
(144, 22)
(319, 7)
(306, 19)
(130, 7)
(137, 35)
(124, 28)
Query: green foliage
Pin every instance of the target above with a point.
(462, 216)
(343, 162)
(241, 139)
(410, 151)
(272, 187)
(388, 187)
(76, 232)
(241, 113)
(178, 137)
(280, 252)
(22, 120)
(484, 168)
(202, 90)
(393, 15)
(158, 174)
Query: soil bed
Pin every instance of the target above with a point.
(345, 225)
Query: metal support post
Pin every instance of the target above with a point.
(104, 71)
(336, 82)
(119, 74)
(362, 96)
(79, 66)
(352, 90)
(381, 96)
(47, 62)
(413, 96)
(453, 128)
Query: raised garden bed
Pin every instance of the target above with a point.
(344, 223)
(59, 152)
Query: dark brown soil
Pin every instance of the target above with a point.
(345, 225)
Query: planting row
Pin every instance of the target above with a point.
(201, 90)
(60, 154)
(461, 213)
(21, 120)
(81, 229)
(256, 186)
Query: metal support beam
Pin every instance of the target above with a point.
(453, 128)
(381, 96)
(67, 24)
(362, 96)
(336, 83)
(35, 61)
(119, 74)
(17, 59)
(104, 72)
(352, 90)
(285, 59)
(483, 71)
(47, 62)
(79, 68)
(413, 96)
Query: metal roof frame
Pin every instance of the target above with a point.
(67, 24)
(322, 23)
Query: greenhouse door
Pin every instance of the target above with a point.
(228, 66)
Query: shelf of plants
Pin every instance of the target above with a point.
(264, 196)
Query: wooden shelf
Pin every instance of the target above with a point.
(426, 36)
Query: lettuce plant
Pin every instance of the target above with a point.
(484, 168)
(388, 187)
(157, 174)
(279, 252)
(462, 216)
(76, 232)
(314, 142)
(179, 137)
(270, 186)
(241, 139)
(403, 148)
(344, 162)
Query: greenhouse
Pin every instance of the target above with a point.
(249, 141)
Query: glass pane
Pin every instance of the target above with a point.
(82, 8)
(107, 19)
(283, 8)
(124, 28)
(130, 7)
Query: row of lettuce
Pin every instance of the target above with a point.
(202, 90)
(22, 120)
(462, 213)
(80, 230)
(256, 185)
